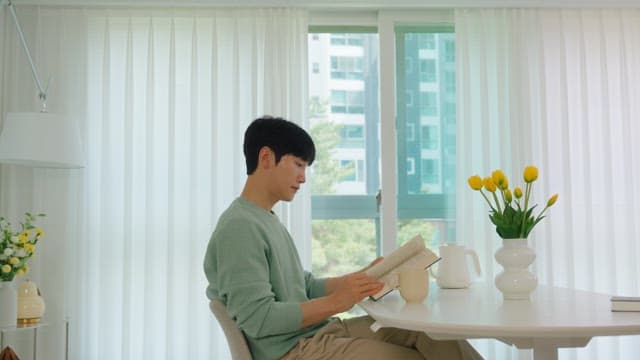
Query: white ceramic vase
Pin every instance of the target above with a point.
(515, 282)
(8, 304)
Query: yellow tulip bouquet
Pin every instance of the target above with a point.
(16, 247)
(511, 214)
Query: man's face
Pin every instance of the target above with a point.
(289, 175)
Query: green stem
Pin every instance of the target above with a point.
(527, 190)
(495, 198)
(541, 213)
(487, 199)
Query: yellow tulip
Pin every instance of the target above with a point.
(489, 185)
(6, 268)
(496, 175)
(552, 200)
(475, 182)
(500, 179)
(507, 195)
(530, 174)
(20, 272)
(26, 269)
(14, 261)
(517, 192)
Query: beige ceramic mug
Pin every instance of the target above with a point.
(414, 284)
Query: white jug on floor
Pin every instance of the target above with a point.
(453, 272)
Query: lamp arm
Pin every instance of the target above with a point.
(34, 71)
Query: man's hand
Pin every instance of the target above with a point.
(354, 288)
(341, 294)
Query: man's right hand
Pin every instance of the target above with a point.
(352, 289)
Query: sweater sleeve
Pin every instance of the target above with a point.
(315, 287)
(243, 278)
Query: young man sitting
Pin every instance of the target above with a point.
(253, 267)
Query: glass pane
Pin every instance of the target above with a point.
(342, 246)
(431, 110)
(344, 113)
(426, 134)
(434, 232)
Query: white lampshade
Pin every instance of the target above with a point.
(40, 140)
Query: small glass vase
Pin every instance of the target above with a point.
(515, 282)
(8, 304)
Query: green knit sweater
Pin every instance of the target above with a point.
(253, 267)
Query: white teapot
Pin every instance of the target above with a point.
(452, 269)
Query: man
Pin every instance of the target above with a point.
(253, 267)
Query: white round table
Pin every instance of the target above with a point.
(553, 318)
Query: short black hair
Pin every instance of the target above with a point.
(282, 136)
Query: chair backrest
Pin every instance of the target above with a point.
(235, 338)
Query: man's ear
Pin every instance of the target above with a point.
(266, 158)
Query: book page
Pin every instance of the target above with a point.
(411, 255)
(397, 257)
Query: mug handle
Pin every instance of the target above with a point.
(476, 261)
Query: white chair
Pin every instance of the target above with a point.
(235, 338)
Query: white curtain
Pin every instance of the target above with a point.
(558, 89)
(163, 98)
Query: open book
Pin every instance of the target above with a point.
(413, 254)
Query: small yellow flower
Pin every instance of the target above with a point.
(517, 192)
(507, 195)
(30, 247)
(552, 200)
(26, 233)
(39, 232)
(489, 185)
(530, 174)
(14, 261)
(20, 272)
(475, 182)
(6, 268)
(26, 269)
(23, 238)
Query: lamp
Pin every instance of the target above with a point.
(39, 139)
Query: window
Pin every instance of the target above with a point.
(427, 70)
(426, 41)
(316, 67)
(344, 124)
(411, 166)
(428, 103)
(347, 102)
(347, 39)
(352, 136)
(426, 185)
(430, 171)
(346, 127)
(408, 98)
(429, 137)
(347, 67)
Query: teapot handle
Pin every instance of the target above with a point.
(476, 261)
(433, 273)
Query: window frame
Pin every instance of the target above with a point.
(384, 21)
